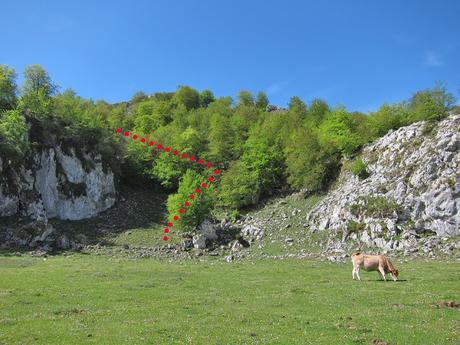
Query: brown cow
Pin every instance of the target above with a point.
(373, 263)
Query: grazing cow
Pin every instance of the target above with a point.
(373, 263)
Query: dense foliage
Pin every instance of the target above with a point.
(260, 147)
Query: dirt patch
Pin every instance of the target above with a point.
(377, 341)
(445, 304)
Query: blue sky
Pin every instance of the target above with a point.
(355, 53)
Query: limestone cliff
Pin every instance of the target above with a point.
(54, 182)
(413, 187)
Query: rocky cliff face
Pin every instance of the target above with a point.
(53, 183)
(413, 188)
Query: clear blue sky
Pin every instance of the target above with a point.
(356, 53)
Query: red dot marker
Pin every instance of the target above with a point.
(135, 137)
(175, 153)
(192, 196)
(204, 185)
(210, 179)
(183, 155)
(170, 224)
(168, 149)
(151, 143)
(143, 140)
(192, 158)
(181, 211)
(186, 204)
(166, 230)
(197, 191)
(217, 172)
(159, 146)
(200, 161)
(118, 130)
(176, 217)
(165, 238)
(126, 134)
(208, 164)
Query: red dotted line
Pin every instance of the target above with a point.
(192, 158)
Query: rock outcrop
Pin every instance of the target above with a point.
(53, 183)
(413, 187)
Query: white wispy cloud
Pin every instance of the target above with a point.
(433, 59)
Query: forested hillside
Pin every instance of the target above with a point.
(262, 148)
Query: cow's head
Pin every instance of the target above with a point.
(394, 274)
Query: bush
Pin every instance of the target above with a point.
(235, 215)
(376, 207)
(354, 227)
(359, 169)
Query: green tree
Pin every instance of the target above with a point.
(245, 98)
(8, 88)
(152, 114)
(221, 138)
(71, 108)
(258, 172)
(308, 163)
(14, 131)
(199, 208)
(138, 97)
(206, 98)
(297, 106)
(341, 130)
(433, 104)
(239, 186)
(187, 96)
(263, 155)
(317, 111)
(386, 118)
(36, 91)
(261, 101)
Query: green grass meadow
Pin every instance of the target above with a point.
(89, 299)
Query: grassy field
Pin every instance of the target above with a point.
(89, 299)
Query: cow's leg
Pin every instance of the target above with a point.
(382, 272)
(353, 272)
(357, 273)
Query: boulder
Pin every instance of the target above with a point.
(207, 230)
(252, 232)
(199, 241)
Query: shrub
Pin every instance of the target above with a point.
(378, 207)
(355, 227)
(359, 168)
(235, 215)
